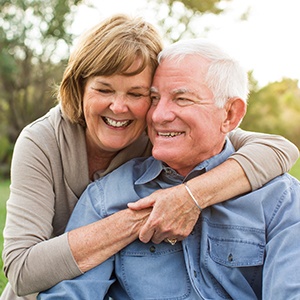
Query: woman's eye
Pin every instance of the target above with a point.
(136, 95)
(103, 91)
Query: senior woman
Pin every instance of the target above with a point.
(98, 125)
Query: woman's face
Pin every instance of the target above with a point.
(115, 109)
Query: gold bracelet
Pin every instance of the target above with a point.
(192, 196)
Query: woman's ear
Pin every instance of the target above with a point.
(235, 110)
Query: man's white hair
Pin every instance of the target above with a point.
(226, 78)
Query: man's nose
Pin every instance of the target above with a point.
(163, 111)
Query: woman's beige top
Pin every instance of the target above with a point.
(50, 171)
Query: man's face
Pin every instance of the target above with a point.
(184, 124)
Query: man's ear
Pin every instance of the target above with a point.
(235, 110)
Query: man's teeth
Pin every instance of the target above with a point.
(115, 123)
(169, 134)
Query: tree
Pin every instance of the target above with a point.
(176, 18)
(34, 42)
(31, 34)
(275, 109)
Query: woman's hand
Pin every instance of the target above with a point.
(174, 215)
(174, 212)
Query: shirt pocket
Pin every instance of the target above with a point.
(236, 252)
(150, 271)
(234, 265)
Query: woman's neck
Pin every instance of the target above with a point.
(98, 159)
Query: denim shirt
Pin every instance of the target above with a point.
(244, 248)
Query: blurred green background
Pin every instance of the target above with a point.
(35, 40)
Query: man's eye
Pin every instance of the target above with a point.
(154, 100)
(184, 101)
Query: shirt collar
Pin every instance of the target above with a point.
(156, 167)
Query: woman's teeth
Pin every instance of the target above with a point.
(115, 123)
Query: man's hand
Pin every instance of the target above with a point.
(174, 215)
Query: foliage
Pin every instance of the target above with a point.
(4, 191)
(34, 41)
(275, 109)
(176, 17)
(199, 6)
(5, 155)
(295, 171)
(31, 32)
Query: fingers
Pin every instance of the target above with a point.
(146, 233)
(176, 221)
(160, 226)
(141, 204)
(155, 228)
(172, 215)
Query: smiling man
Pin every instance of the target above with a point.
(184, 114)
(245, 248)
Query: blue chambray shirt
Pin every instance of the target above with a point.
(244, 248)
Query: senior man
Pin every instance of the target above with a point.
(245, 248)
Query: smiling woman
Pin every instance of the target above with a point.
(98, 125)
(115, 109)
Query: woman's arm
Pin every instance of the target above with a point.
(260, 158)
(37, 253)
(94, 243)
(35, 249)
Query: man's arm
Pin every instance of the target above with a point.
(174, 212)
(281, 273)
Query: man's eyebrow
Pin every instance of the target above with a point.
(181, 91)
(173, 92)
(153, 89)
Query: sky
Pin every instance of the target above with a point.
(266, 43)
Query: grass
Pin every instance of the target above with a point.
(295, 171)
(4, 191)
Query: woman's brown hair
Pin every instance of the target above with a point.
(109, 48)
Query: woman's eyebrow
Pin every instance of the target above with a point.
(102, 82)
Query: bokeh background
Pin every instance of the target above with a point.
(36, 37)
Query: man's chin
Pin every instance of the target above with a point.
(164, 155)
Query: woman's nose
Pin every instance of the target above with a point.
(118, 104)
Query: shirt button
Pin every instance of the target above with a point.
(230, 257)
(152, 249)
